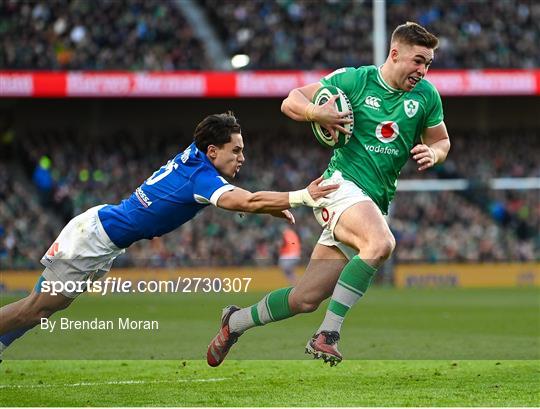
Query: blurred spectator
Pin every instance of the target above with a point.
(290, 252)
(43, 180)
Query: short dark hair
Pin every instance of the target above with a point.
(215, 130)
(414, 34)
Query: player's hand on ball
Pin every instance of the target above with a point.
(424, 156)
(317, 190)
(329, 118)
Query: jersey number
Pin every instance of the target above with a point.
(156, 176)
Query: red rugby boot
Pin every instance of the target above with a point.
(224, 340)
(324, 345)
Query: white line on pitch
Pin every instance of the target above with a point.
(128, 382)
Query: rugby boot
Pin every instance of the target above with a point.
(323, 345)
(224, 340)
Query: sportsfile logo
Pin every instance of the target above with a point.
(372, 102)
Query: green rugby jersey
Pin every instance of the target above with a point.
(387, 124)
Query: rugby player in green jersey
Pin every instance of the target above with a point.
(397, 114)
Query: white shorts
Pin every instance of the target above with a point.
(346, 196)
(82, 251)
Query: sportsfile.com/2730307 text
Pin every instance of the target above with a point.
(179, 285)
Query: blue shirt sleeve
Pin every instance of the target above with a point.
(208, 186)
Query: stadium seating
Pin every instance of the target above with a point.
(469, 225)
(116, 35)
(481, 224)
(296, 34)
(154, 35)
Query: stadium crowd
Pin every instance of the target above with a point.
(25, 228)
(54, 181)
(276, 34)
(445, 226)
(336, 33)
(111, 35)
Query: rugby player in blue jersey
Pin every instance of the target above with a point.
(173, 195)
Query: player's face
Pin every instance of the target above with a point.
(412, 64)
(230, 157)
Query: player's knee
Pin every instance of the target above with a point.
(382, 248)
(387, 247)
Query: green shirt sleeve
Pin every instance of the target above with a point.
(435, 112)
(349, 79)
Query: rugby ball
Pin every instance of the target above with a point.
(343, 104)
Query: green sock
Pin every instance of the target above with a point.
(352, 284)
(273, 307)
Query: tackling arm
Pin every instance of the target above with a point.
(259, 202)
(269, 202)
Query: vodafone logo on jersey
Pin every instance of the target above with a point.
(387, 131)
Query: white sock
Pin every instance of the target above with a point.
(273, 307)
(331, 322)
(241, 320)
(342, 300)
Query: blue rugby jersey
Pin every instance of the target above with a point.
(173, 195)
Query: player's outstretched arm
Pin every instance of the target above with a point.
(272, 202)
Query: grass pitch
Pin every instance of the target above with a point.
(270, 383)
(448, 347)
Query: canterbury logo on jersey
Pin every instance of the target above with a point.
(372, 102)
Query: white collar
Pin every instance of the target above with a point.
(384, 84)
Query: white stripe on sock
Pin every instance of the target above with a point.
(345, 296)
(262, 309)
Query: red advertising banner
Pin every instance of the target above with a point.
(210, 84)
